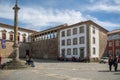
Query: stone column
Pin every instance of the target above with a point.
(15, 46)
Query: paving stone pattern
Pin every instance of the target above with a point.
(55, 70)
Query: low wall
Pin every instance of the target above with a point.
(8, 51)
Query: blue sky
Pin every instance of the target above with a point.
(43, 14)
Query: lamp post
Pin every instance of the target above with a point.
(15, 45)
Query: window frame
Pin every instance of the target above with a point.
(68, 51)
(74, 31)
(63, 34)
(75, 51)
(82, 40)
(68, 41)
(81, 29)
(63, 42)
(69, 32)
(75, 41)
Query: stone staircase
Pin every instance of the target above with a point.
(13, 64)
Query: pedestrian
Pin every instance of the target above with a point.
(0, 58)
(31, 62)
(27, 56)
(116, 59)
(110, 62)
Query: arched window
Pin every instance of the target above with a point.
(11, 35)
(3, 34)
(24, 37)
(18, 36)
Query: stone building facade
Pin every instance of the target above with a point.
(81, 40)
(7, 33)
(113, 47)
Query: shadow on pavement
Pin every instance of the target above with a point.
(109, 71)
(104, 71)
(51, 61)
(116, 73)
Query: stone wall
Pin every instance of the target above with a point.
(45, 49)
(102, 43)
(8, 51)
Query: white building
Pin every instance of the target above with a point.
(82, 40)
(7, 32)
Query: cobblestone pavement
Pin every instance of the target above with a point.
(55, 70)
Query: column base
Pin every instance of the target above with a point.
(14, 64)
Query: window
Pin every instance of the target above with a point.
(11, 34)
(69, 51)
(110, 44)
(110, 52)
(81, 29)
(69, 32)
(11, 37)
(68, 41)
(94, 51)
(63, 42)
(82, 40)
(74, 31)
(82, 52)
(93, 40)
(75, 51)
(3, 35)
(94, 30)
(63, 33)
(117, 52)
(74, 41)
(24, 38)
(117, 43)
(63, 53)
(18, 38)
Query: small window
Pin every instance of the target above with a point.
(93, 40)
(3, 35)
(68, 41)
(94, 51)
(94, 30)
(24, 38)
(63, 33)
(69, 51)
(110, 44)
(81, 29)
(11, 37)
(74, 31)
(18, 38)
(81, 40)
(75, 52)
(63, 42)
(74, 41)
(69, 32)
(117, 43)
(63, 53)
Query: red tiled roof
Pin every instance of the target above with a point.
(114, 32)
(12, 27)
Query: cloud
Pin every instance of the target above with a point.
(6, 11)
(112, 6)
(44, 17)
(37, 18)
(105, 24)
(107, 8)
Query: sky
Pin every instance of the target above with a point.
(44, 14)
